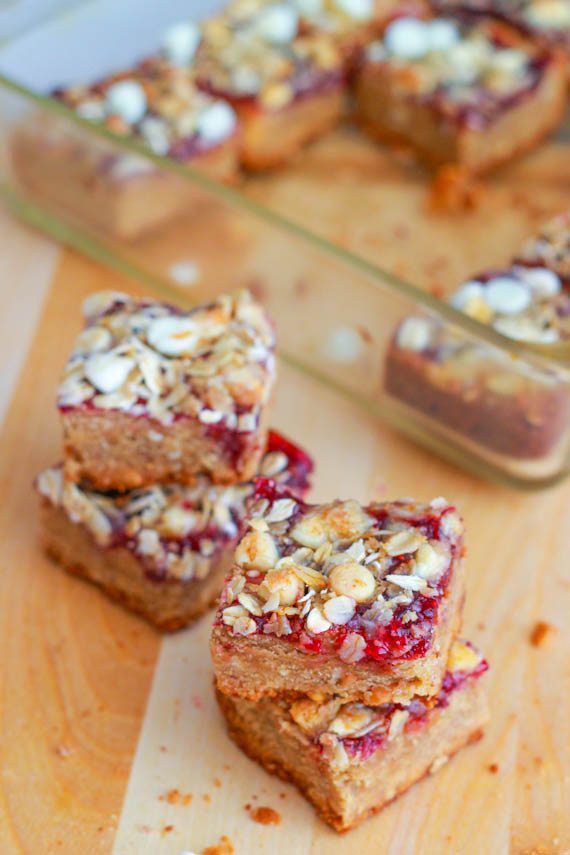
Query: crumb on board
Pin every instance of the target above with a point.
(224, 847)
(207, 798)
(540, 632)
(217, 783)
(174, 797)
(453, 189)
(264, 815)
(493, 768)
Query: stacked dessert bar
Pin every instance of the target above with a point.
(164, 416)
(335, 647)
(480, 392)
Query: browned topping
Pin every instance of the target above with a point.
(265, 815)
(540, 633)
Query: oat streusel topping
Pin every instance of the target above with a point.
(174, 530)
(468, 73)
(348, 731)
(158, 103)
(254, 50)
(214, 363)
(303, 571)
(551, 247)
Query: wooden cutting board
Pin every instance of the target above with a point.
(110, 740)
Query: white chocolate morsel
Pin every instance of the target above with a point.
(414, 334)
(257, 551)
(443, 34)
(359, 10)
(352, 580)
(277, 23)
(469, 291)
(507, 296)
(309, 8)
(549, 14)
(177, 521)
(407, 38)
(126, 99)
(108, 371)
(542, 281)
(172, 336)
(180, 42)
(93, 339)
(404, 542)
(216, 122)
(525, 329)
(316, 622)
(285, 584)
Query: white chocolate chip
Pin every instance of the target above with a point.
(216, 122)
(549, 14)
(507, 296)
(50, 484)
(107, 372)
(277, 23)
(126, 99)
(430, 561)
(359, 10)
(257, 551)
(469, 292)
(344, 345)
(407, 38)
(339, 610)
(414, 334)
(353, 580)
(352, 648)
(285, 585)
(542, 281)
(316, 622)
(180, 42)
(443, 34)
(310, 531)
(210, 417)
(172, 336)
(309, 8)
(177, 521)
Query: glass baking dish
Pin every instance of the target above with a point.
(340, 263)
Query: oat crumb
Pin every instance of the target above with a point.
(493, 768)
(265, 815)
(540, 633)
(224, 847)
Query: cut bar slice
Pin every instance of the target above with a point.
(474, 95)
(152, 394)
(351, 760)
(162, 551)
(551, 248)
(358, 601)
(155, 104)
(287, 88)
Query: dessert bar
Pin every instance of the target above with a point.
(287, 88)
(550, 248)
(153, 394)
(162, 551)
(339, 598)
(155, 104)
(350, 760)
(474, 94)
(481, 392)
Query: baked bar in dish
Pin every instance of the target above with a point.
(551, 248)
(155, 104)
(162, 551)
(287, 88)
(153, 394)
(480, 392)
(349, 759)
(362, 602)
(546, 20)
(475, 94)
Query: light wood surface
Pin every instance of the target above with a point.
(100, 718)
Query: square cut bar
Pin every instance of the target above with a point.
(155, 104)
(161, 551)
(362, 602)
(474, 95)
(478, 391)
(287, 88)
(152, 394)
(351, 760)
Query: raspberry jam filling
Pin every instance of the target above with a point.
(363, 747)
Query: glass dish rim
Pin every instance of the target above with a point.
(550, 356)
